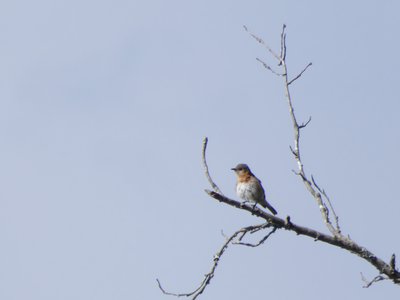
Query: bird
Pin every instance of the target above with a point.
(249, 188)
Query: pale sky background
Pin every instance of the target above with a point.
(103, 108)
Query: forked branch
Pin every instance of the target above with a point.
(311, 187)
(235, 238)
(344, 243)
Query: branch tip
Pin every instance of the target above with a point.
(375, 279)
(305, 124)
(392, 263)
(268, 67)
(299, 75)
(205, 167)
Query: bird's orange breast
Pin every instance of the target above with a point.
(244, 178)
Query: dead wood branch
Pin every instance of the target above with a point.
(341, 242)
(239, 234)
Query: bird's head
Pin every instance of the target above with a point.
(241, 170)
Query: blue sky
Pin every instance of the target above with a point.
(103, 108)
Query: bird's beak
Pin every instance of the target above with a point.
(233, 169)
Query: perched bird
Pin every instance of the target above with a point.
(249, 188)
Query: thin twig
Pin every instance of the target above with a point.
(283, 45)
(259, 40)
(305, 124)
(322, 191)
(299, 75)
(252, 229)
(205, 166)
(259, 243)
(375, 279)
(268, 67)
(173, 294)
(392, 262)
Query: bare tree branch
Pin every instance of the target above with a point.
(260, 242)
(230, 240)
(259, 40)
(368, 283)
(173, 294)
(283, 45)
(329, 203)
(205, 166)
(305, 124)
(268, 67)
(299, 75)
(341, 242)
(296, 150)
(392, 262)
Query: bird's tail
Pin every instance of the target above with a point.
(269, 206)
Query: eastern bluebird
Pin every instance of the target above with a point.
(249, 188)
